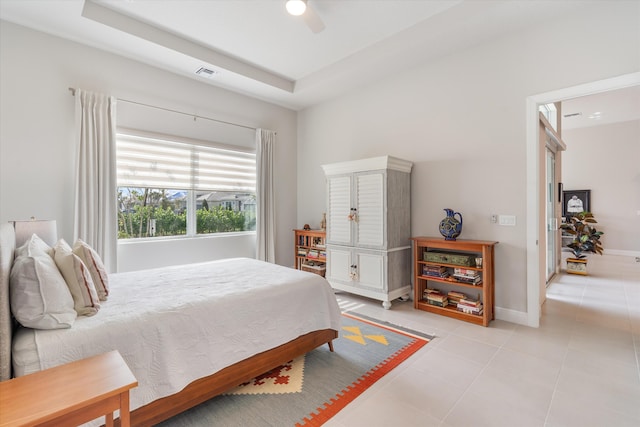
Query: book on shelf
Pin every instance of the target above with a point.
(313, 254)
(466, 272)
(466, 279)
(438, 303)
(435, 271)
(436, 297)
(456, 294)
(470, 302)
(437, 276)
(470, 310)
(455, 297)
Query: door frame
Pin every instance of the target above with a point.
(536, 256)
(554, 144)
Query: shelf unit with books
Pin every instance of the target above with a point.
(310, 251)
(449, 281)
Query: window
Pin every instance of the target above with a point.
(550, 112)
(171, 188)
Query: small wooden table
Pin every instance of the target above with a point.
(70, 394)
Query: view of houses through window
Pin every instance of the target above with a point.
(166, 188)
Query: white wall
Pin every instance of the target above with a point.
(37, 132)
(606, 160)
(177, 251)
(462, 121)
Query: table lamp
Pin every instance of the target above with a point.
(46, 229)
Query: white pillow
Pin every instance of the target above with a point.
(96, 267)
(40, 298)
(78, 278)
(34, 246)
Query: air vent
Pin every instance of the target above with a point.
(572, 115)
(206, 72)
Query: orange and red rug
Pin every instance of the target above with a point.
(311, 389)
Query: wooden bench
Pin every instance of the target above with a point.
(70, 394)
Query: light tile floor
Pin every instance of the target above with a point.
(579, 368)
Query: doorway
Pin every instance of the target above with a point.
(536, 177)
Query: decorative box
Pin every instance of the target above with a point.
(450, 258)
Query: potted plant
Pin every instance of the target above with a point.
(586, 239)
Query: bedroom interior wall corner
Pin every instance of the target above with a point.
(418, 115)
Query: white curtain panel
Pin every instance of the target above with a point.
(96, 212)
(265, 199)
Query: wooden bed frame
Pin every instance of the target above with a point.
(205, 388)
(193, 394)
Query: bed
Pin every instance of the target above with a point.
(188, 333)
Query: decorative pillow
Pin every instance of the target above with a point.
(96, 267)
(34, 246)
(78, 278)
(40, 298)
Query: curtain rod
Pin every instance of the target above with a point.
(195, 116)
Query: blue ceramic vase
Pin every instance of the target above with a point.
(450, 227)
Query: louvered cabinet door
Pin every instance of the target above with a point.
(370, 206)
(339, 204)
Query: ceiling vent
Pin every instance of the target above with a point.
(206, 72)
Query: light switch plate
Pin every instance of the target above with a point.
(509, 220)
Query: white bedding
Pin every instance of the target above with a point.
(177, 324)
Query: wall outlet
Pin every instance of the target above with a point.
(509, 220)
(638, 259)
(494, 219)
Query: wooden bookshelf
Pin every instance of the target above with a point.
(310, 251)
(476, 282)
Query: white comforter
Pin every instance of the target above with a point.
(177, 324)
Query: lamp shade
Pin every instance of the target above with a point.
(46, 229)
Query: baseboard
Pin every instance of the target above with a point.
(513, 316)
(621, 252)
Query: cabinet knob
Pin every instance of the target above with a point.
(353, 274)
(353, 215)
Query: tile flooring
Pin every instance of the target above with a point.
(579, 368)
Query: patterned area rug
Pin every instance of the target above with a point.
(311, 389)
(285, 378)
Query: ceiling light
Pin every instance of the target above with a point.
(296, 7)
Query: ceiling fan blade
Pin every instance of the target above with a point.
(313, 20)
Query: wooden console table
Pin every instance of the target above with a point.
(70, 394)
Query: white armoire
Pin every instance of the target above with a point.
(369, 227)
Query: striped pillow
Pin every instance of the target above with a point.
(96, 267)
(78, 278)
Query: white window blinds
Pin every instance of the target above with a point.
(158, 163)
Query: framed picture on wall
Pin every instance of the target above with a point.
(575, 201)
